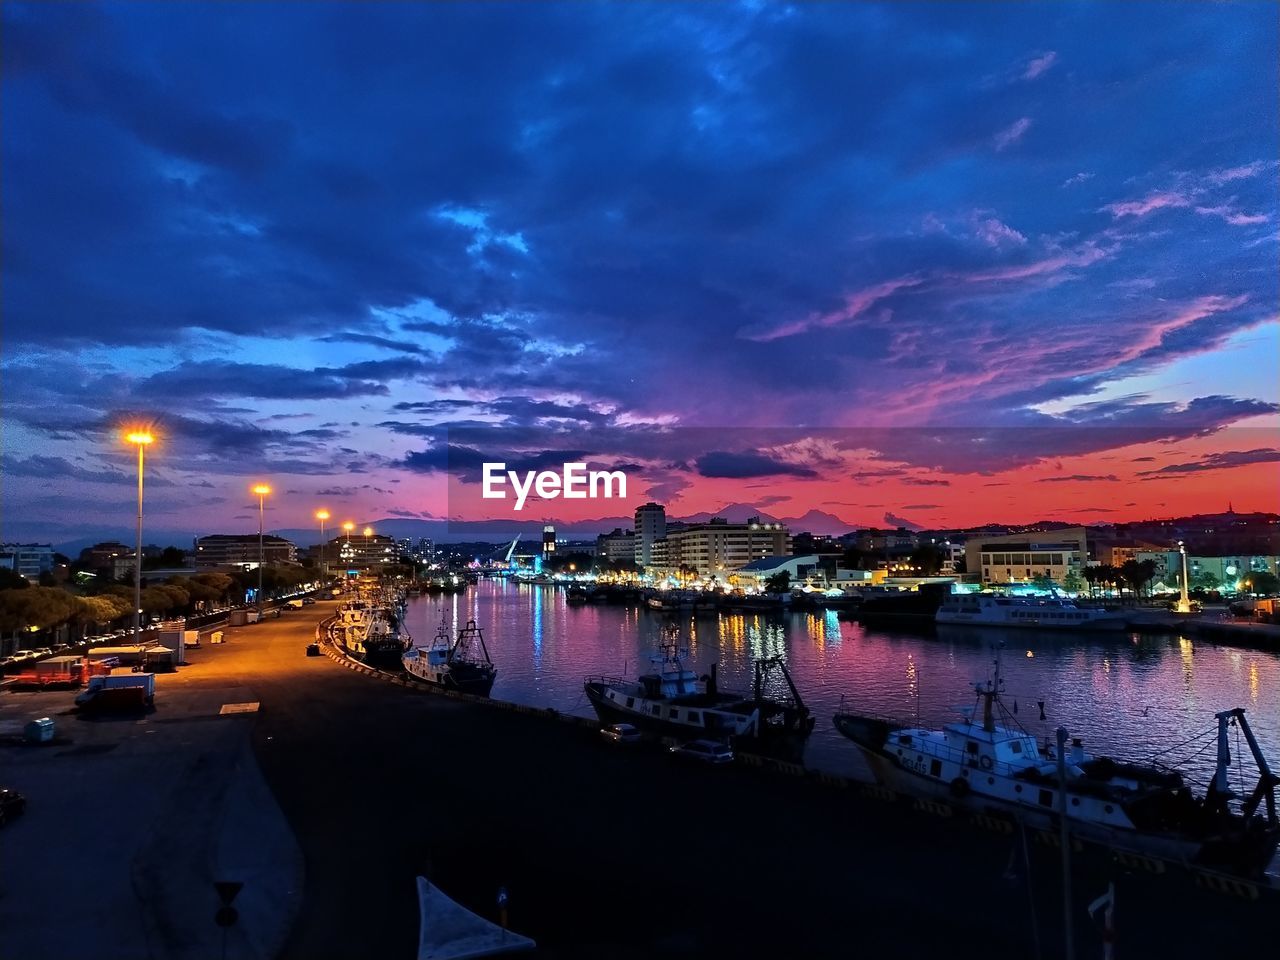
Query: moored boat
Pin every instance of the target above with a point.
(453, 664)
(987, 610)
(994, 765)
(672, 700)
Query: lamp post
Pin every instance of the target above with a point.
(348, 527)
(140, 438)
(261, 490)
(368, 532)
(322, 515)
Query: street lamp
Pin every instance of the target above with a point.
(140, 438)
(368, 532)
(322, 515)
(261, 490)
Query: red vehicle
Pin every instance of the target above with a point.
(59, 672)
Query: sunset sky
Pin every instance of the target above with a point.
(855, 263)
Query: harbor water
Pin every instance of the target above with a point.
(1129, 696)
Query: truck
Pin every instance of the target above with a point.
(118, 693)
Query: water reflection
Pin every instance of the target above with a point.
(1127, 695)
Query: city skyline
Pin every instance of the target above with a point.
(892, 264)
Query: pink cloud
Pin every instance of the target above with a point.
(995, 233)
(1236, 173)
(1234, 217)
(1156, 200)
(1012, 133)
(1077, 178)
(1040, 65)
(855, 304)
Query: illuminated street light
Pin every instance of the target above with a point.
(322, 515)
(368, 532)
(261, 490)
(140, 438)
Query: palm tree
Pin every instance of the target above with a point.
(1090, 574)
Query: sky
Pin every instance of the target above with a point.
(849, 264)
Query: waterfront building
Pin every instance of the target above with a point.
(616, 546)
(717, 548)
(234, 549)
(650, 527)
(28, 559)
(548, 541)
(1024, 557)
(800, 569)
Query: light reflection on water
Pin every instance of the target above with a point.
(1124, 695)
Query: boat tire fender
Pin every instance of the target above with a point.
(985, 763)
(960, 788)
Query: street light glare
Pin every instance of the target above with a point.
(262, 489)
(348, 526)
(139, 436)
(368, 531)
(322, 514)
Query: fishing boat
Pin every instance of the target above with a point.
(985, 610)
(992, 764)
(672, 700)
(453, 664)
(378, 640)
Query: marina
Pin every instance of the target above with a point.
(1127, 695)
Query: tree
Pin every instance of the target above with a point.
(927, 559)
(12, 580)
(1094, 576)
(1206, 580)
(1263, 582)
(1043, 581)
(1072, 582)
(1137, 574)
(780, 582)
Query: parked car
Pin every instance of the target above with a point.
(12, 805)
(620, 733)
(705, 751)
(308, 600)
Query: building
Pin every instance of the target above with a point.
(889, 543)
(651, 526)
(620, 545)
(1023, 557)
(757, 573)
(361, 552)
(234, 549)
(548, 542)
(718, 548)
(1116, 552)
(28, 559)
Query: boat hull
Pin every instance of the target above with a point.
(1245, 853)
(476, 682)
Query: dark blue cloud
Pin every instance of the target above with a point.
(577, 216)
(738, 466)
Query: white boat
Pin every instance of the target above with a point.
(990, 766)
(987, 610)
(672, 700)
(453, 664)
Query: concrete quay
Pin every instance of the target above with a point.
(605, 851)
